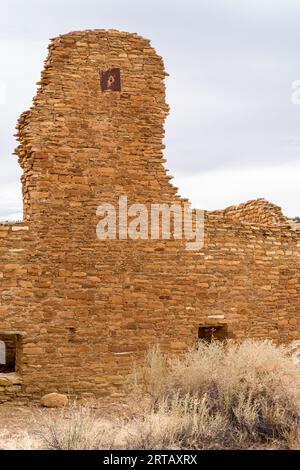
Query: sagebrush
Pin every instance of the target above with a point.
(216, 396)
(251, 389)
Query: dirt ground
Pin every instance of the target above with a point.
(20, 425)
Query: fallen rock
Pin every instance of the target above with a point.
(54, 400)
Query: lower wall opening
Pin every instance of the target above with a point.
(9, 352)
(209, 333)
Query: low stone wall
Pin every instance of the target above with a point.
(11, 389)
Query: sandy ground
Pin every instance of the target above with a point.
(20, 425)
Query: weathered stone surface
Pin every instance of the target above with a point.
(54, 400)
(257, 212)
(10, 379)
(84, 309)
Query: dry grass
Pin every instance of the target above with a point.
(76, 428)
(19, 441)
(219, 396)
(251, 390)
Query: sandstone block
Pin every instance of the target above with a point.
(54, 400)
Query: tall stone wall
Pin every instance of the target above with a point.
(84, 309)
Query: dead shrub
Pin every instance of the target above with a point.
(76, 428)
(252, 388)
(217, 396)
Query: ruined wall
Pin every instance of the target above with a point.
(85, 309)
(257, 212)
(15, 284)
(256, 270)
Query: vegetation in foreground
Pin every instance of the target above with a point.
(218, 396)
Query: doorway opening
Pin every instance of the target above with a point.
(9, 352)
(211, 333)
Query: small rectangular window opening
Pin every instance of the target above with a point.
(9, 344)
(209, 333)
(110, 80)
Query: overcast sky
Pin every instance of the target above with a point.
(233, 133)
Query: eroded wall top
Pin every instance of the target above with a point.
(256, 212)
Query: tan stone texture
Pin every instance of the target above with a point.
(84, 309)
(54, 400)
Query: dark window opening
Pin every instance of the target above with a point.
(72, 334)
(8, 352)
(210, 333)
(111, 80)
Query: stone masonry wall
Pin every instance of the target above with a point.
(259, 212)
(85, 309)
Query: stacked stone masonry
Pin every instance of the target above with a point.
(82, 310)
(258, 212)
